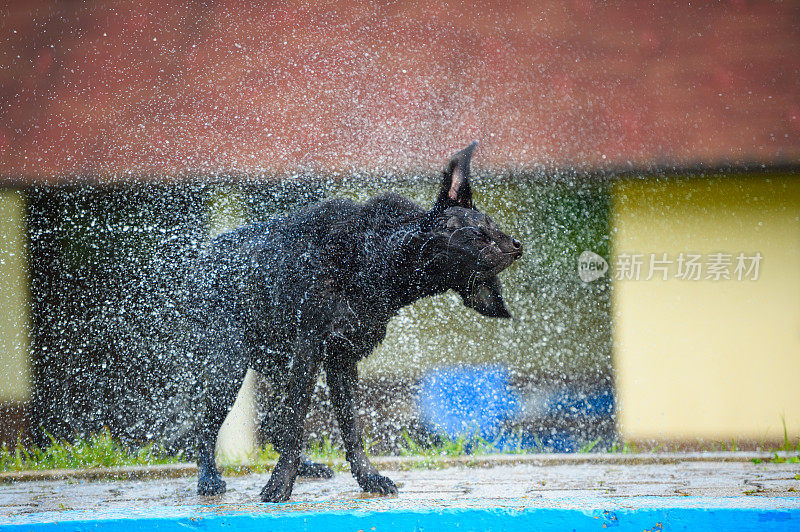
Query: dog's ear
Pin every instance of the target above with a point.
(486, 298)
(455, 190)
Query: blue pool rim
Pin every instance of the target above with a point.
(427, 519)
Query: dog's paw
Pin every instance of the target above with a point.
(277, 492)
(309, 469)
(211, 486)
(375, 483)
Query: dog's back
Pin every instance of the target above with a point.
(252, 282)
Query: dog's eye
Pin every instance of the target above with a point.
(480, 235)
(452, 223)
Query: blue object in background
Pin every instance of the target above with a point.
(570, 401)
(479, 401)
(467, 401)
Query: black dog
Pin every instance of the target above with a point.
(317, 289)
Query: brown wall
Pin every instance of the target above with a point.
(161, 87)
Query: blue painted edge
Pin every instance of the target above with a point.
(466, 520)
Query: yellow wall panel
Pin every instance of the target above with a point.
(705, 358)
(15, 364)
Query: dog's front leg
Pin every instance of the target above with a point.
(342, 377)
(291, 417)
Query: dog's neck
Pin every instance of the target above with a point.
(412, 270)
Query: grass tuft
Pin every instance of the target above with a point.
(623, 448)
(98, 450)
(589, 446)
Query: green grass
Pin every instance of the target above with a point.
(324, 451)
(444, 446)
(428, 455)
(787, 448)
(99, 450)
(587, 448)
(622, 448)
(102, 450)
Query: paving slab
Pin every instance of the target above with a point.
(586, 485)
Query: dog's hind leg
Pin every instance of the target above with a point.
(291, 417)
(307, 468)
(342, 375)
(222, 383)
(311, 469)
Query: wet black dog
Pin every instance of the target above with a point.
(317, 289)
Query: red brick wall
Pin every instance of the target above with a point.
(164, 87)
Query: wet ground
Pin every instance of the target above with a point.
(583, 484)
